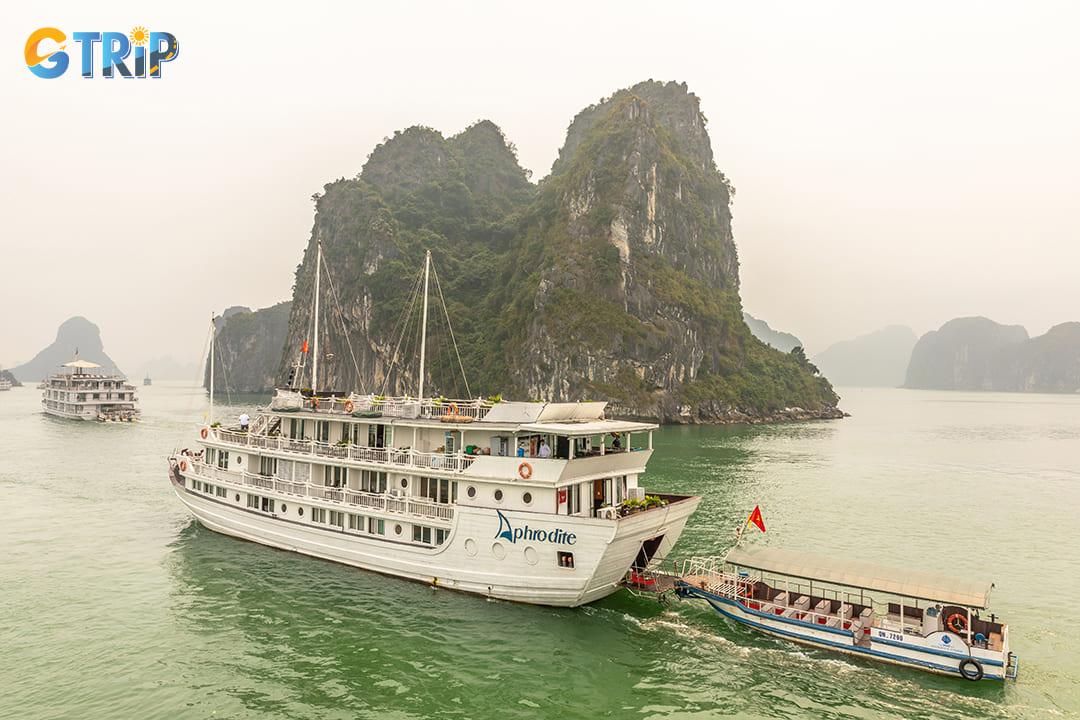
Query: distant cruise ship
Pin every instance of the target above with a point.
(79, 395)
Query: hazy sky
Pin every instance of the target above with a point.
(894, 163)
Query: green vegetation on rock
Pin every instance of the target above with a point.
(615, 278)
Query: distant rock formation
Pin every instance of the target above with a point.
(979, 354)
(879, 359)
(248, 346)
(10, 378)
(77, 333)
(782, 341)
(1048, 363)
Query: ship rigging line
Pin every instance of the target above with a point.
(402, 326)
(344, 330)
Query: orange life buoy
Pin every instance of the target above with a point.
(452, 410)
(183, 466)
(348, 406)
(957, 623)
(203, 433)
(525, 470)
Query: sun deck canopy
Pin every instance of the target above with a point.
(863, 575)
(80, 364)
(587, 428)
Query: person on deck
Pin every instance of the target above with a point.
(244, 419)
(544, 451)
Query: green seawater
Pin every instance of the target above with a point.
(114, 603)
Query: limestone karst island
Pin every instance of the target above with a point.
(614, 278)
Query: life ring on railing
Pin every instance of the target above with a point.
(348, 406)
(957, 623)
(203, 433)
(452, 410)
(525, 470)
(183, 466)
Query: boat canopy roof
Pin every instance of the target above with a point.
(868, 576)
(587, 428)
(80, 364)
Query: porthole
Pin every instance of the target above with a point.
(300, 512)
(397, 529)
(471, 492)
(284, 508)
(498, 496)
(404, 482)
(237, 497)
(527, 498)
(239, 460)
(498, 551)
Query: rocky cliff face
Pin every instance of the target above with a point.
(76, 333)
(979, 354)
(247, 347)
(616, 278)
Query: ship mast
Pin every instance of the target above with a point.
(315, 345)
(423, 331)
(213, 328)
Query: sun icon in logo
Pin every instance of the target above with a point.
(139, 36)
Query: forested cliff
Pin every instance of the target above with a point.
(616, 278)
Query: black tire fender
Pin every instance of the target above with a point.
(971, 669)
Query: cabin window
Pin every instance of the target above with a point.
(439, 490)
(211, 456)
(253, 501)
(220, 492)
(354, 433)
(498, 495)
(268, 504)
(527, 498)
(376, 526)
(356, 522)
(322, 430)
(441, 535)
(318, 515)
(268, 466)
(566, 559)
(337, 518)
(337, 477)
(296, 429)
(573, 499)
(421, 534)
(373, 482)
(379, 435)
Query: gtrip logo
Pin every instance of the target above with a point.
(46, 54)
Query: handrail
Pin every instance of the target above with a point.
(398, 457)
(420, 507)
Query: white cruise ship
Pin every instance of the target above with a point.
(80, 395)
(533, 502)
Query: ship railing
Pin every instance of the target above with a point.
(420, 507)
(400, 457)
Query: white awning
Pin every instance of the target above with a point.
(864, 575)
(80, 364)
(587, 428)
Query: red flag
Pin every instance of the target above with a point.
(304, 349)
(756, 519)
